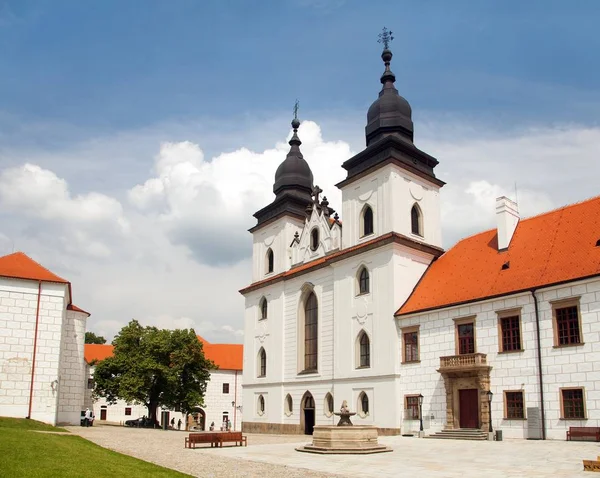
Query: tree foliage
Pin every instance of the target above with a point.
(155, 367)
(92, 338)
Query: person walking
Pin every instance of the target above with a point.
(173, 423)
(88, 417)
(179, 424)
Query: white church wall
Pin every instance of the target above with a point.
(72, 382)
(18, 306)
(563, 367)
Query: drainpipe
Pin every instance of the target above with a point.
(235, 400)
(35, 337)
(539, 354)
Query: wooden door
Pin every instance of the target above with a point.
(103, 414)
(309, 421)
(469, 409)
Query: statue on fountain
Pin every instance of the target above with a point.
(345, 415)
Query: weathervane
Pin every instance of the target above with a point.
(385, 37)
(296, 105)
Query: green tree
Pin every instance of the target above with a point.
(92, 338)
(155, 368)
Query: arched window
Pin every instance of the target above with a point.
(314, 239)
(262, 363)
(416, 220)
(311, 322)
(363, 281)
(367, 221)
(270, 261)
(264, 308)
(261, 405)
(363, 404)
(364, 350)
(289, 405)
(328, 405)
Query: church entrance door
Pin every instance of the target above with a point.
(469, 408)
(307, 417)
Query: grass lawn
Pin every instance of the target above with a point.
(26, 453)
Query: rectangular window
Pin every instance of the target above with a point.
(510, 329)
(412, 407)
(573, 406)
(466, 338)
(90, 383)
(410, 344)
(127, 410)
(567, 325)
(225, 388)
(514, 405)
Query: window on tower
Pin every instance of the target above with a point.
(314, 239)
(270, 261)
(367, 221)
(416, 220)
(364, 281)
(311, 323)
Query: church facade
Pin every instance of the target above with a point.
(501, 331)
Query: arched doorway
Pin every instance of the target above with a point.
(197, 420)
(307, 415)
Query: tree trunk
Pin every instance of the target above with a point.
(152, 413)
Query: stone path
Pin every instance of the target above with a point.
(274, 456)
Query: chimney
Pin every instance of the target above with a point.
(507, 217)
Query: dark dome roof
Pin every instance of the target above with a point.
(294, 174)
(390, 113)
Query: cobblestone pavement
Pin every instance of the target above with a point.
(275, 456)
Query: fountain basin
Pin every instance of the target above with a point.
(356, 440)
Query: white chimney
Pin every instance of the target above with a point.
(507, 216)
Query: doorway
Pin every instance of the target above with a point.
(103, 414)
(468, 408)
(307, 417)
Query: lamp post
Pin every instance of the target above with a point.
(490, 395)
(420, 412)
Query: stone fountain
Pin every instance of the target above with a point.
(345, 438)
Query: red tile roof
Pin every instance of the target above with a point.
(225, 356)
(74, 308)
(97, 352)
(551, 248)
(21, 266)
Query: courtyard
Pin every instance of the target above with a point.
(274, 456)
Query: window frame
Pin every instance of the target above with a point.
(413, 329)
(263, 309)
(226, 388)
(507, 408)
(416, 406)
(465, 321)
(562, 403)
(364, 280)
(127, 411)
(262, 363)
(564, 304)
(363, 221)
(508, 314)
(362, 398)
(288, 405)
(420, 228)
(328, 405)
(261, 405)
(311, 328)
(359, 350)
(314, 239)
(270, 261)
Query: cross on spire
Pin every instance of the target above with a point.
(385, 37)
(296, 105)
(315, 192)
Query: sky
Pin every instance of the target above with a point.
(137, 138)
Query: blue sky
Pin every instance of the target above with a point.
(114, 65)
(138, 137)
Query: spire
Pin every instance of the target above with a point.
(390, 114)
(294, 141)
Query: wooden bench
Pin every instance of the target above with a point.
(590, 433)
(236, 437)
(195, 438)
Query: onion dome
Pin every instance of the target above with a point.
(293, 176)
(390, 113)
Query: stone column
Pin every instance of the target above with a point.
(483, 384)
(448, 384)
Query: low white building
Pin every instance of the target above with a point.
(222, 401)
(42, 333)
(375, 312)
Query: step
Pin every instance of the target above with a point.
(460, 434)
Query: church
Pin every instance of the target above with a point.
(500, 332)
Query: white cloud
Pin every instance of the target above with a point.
(175, 249)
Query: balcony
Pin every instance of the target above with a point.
(463, 364)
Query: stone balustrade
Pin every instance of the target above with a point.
(464, 362)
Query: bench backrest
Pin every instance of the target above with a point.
(584, 429)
